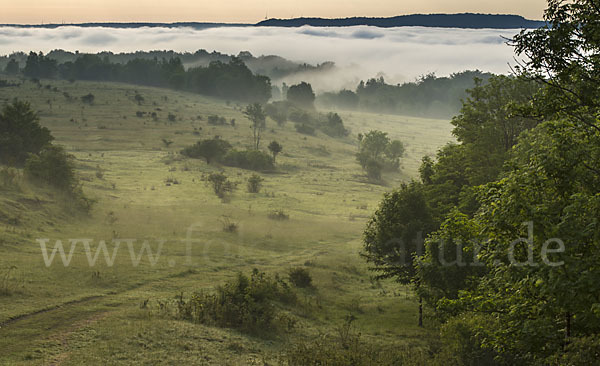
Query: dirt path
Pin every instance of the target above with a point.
(63, 337)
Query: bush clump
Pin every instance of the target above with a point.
(53, 167)
(221, 185)
(246, 303)
(254, 183)
(88, 98)
(278, 215)
(249, 159)
(216, 120)
(300, 277)
(210, 150)
(21, 133)
(305, 129)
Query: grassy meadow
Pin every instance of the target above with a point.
(145, 190)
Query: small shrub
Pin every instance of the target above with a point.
(88, 99)
(216, 120)
(300, 277)
(254, 183)
(221, 185)
(139, 98)
(7, 282)
(172, 117)
(348, 348)
(275, 148)
(228, 225)
(374, 169)
(52, 166)
(334, 126)
(300, 116)
(278, 215)
(246, 303)
(305, 129)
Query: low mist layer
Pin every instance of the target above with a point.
(398, 54)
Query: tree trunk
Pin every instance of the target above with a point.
(567, 327)
(420, 311)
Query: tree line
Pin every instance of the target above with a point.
(232, 80)
(429, 96)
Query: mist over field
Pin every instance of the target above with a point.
(361, 52)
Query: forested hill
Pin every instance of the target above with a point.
(466, 20)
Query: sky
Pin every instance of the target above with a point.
(244, 11)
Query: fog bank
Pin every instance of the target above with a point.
(399, 54)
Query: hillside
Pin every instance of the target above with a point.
(51, 315)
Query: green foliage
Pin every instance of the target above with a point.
(431, 96)
(394, 234)
(304, 129)
(463, 341)
(531, 190)
(300, 277)
(220, 184)
(12, 67)
(278, 112)
(344, 99)
(426, 170)
(348, 348)
(373, 167)
(232, 80)
(216, 120)
(254, 183)
(246, 303)
(256, 114)
(487, 128)
(211, 150)
(334, 126)
(301, 95)
(88, 98)
(21, 133)
(52, 166)
(275, 148)
(581, 351)
(376, 152)
(39, 66)
(249, 159)
(450, 264)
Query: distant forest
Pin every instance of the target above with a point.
(466, 20)
(231, 78)
(429, 96)
(275, 67)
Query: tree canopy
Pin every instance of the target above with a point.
(21, 133)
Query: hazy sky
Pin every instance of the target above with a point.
(248, 11)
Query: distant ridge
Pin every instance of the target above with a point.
(465, 20)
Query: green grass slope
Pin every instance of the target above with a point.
(82, 314)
